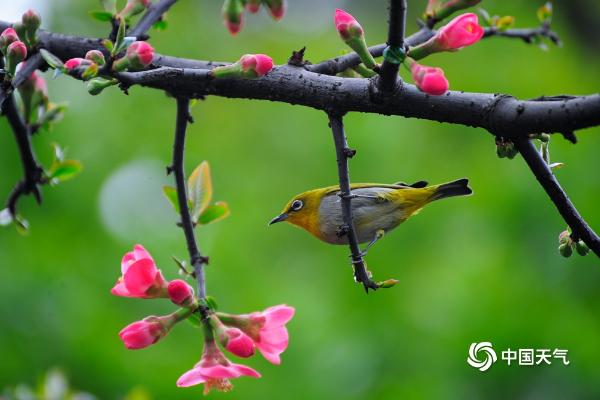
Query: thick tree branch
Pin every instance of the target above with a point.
(32, 172)
(567, 210)
(343, 153)
(395, 42)
(498, 114)
(197, 260)
(152, 15)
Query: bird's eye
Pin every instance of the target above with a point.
(297, 205)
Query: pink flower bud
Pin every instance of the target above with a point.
(181, 293)
(31, 21)
(15, 53)
(95, 56)
(276, 8)
(140, 277)
(238, 343)
(462, 31)
(8, 36)
(75, 63)
(253, 5)
(144, 333)
(233, 15)
(347, 26)
(259, 64)
(429, 79)
(34, 94)
(248, 66)
(353, 35)
(140, 55)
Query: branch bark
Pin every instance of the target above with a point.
(343, 153)
(152, 15)
(565, 207)
(32, 172)
(396, 24)
(197, 260)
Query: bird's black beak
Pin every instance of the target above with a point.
(279, 218)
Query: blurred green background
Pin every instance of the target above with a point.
(482, 268)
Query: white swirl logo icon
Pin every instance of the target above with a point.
(485, 349)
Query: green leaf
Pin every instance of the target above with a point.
(214, 213)
(211, 303)
(51, 59)
(161, 25)
(556, 165)
(505, 22)
(200, 190)
(182, 266)
(120, 37)
(103, 16)
(108, 45)
(5, 217)
(109, 6)
(485, 17)
(544, 13)
(194, 319)
(22, 225)
(64, 170)
(59, 153)
(171, 194)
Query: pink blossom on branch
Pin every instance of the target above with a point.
(276, 8)
(462, 31)
(140, 276)
(74, 63)
(214, 370)
(233, 15)
(181, 293)
(144, 333)
(8, 36)
(267, 329)
(429, 79)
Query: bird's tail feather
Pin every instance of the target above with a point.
(458, 187)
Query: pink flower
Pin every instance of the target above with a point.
(259, 64)
(144, 333)
(462, 31)
(8, 36)
(429, 79)
(181, 293)
(31, 20)
(214, 370)
(140, 54)
(346, 25)
(95, 56)
(140, 277)
(267, 329)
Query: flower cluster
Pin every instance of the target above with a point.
(233, 11)
(13, 50)
(462, 31)
(239, 334)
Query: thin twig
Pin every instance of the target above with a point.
(567, 210)
(32, 172)
(526, 34)
(397, 24)
(197, 260)
(152, 15)
(343, 153)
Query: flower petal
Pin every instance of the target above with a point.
(191, 378)
(278, 315)
(140, 276)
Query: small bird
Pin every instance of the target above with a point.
(376, 208)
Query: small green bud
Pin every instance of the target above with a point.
(31, 23)
(564, 237)
(97, 85)
(582, 248)
(388, 283)
(565, 250)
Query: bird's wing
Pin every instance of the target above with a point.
(335, 189)
(416, 185)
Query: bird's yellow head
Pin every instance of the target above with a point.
(303, 211)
